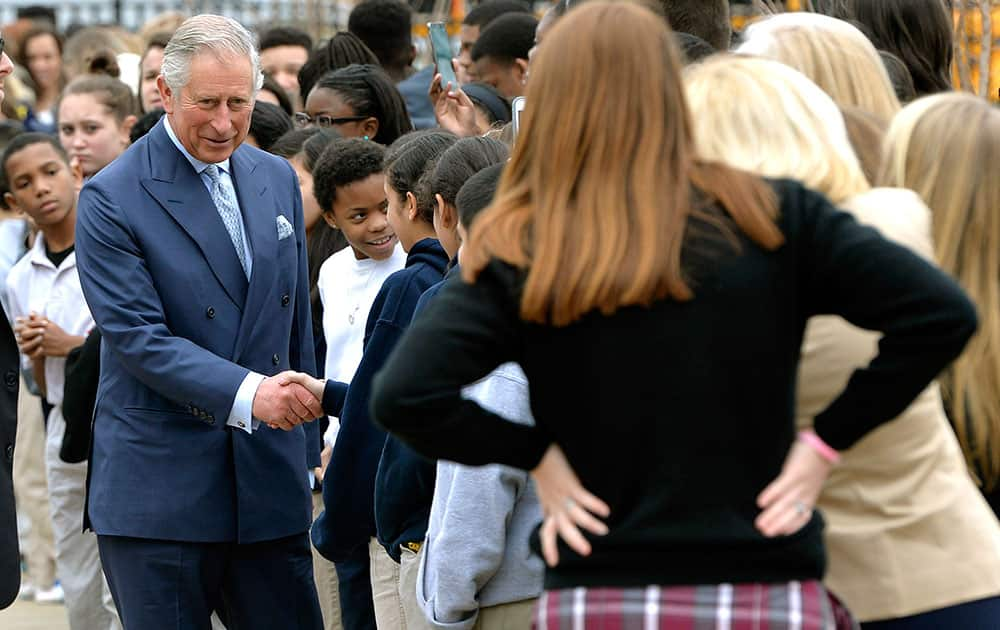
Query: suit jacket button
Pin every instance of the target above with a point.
(285, 300)
(275, 360)
(10, 380)
(210, 313)
(9, 452)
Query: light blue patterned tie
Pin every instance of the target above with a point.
(229, 212)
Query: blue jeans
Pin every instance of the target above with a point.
(983, 614)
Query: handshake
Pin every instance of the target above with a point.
(289, 399)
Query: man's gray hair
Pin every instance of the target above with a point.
(208, 33)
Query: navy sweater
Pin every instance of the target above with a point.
(404, 484)
(348, 494)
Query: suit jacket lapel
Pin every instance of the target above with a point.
(260, 218)
(175, 186)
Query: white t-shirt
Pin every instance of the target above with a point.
(347, 287)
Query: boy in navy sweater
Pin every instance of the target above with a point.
(346, 530)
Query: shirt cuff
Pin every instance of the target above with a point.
(330, 437)
(241, 416)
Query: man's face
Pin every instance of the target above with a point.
(211, 114)
(468, 36)
(42, 186)
(506, 78)
(6, 67)
(283, 63)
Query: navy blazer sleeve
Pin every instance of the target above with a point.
(127, 309)
(349, 495)
(301, 349)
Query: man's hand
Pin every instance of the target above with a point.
(284, 406)
(47, 339)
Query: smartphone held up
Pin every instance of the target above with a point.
(441, 47)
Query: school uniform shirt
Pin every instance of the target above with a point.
(347, 288)
(907, 530)
(349, 520)
(35, 284)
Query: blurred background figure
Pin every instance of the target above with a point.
(283, 52)
(41, 55)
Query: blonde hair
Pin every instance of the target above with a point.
(764, 117)
(603, 226)
(834, 54)
(946, 148)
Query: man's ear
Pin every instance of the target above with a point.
(413, 54)
(521, 70)
(370, 127)
(8, 198)
(166, 94)
(411, 206)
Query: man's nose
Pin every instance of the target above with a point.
(222, 121)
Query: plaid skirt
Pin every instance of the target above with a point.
(784, 606)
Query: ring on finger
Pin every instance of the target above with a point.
(569, 503)
(801, 509)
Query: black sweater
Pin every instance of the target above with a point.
(679, 414)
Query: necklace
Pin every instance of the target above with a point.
(364, 292)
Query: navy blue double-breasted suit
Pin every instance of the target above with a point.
(182, 326)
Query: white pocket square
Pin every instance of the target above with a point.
(284, 228)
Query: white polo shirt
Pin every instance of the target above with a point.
(35, 284)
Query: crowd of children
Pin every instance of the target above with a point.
(647, 299)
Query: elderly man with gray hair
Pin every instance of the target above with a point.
(191, 252)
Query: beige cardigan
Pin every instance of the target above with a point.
(907, 529)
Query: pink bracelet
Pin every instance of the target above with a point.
(816, 442)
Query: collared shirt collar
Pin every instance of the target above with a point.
(40, 257)
(198, 165)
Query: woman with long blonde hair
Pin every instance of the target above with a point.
(656, 303)
(909, 538)
(835, 55)
(947, 148)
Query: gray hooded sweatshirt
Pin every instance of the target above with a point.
(476, 552)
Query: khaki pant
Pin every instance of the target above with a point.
(327, 586)
(408, 568)
(514, 616)
(31, 490)
(394, 590)
(88, 599)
